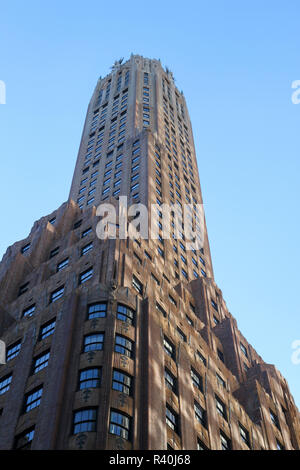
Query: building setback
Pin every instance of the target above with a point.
(122, 343)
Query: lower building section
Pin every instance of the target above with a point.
(103, 352)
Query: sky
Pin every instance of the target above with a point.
(235, 62)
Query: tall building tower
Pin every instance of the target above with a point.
(124, 343)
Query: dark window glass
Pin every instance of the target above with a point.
(5, 383)
(98, 310)
(13, 350)
(93, 342)
(40, 362)
(24, 440)
(33, 399)
(85, 420)
(125, 313)
(120, 425)
(122, 382)
(90, 378)
(47, 329)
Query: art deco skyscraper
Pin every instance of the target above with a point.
(121, 343)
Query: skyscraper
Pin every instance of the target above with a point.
(127, 343)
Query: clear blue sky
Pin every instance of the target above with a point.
(235, 62)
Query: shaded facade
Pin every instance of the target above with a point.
(128, 344)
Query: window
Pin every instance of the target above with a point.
(24, 440)
(161, 310)
(97, 310)
(220, 355)
(89, 378)
(221, 408)
(13, 350)
(120, 424)
(57, 294)
(200, 414)
(122, 382)
(125, 313)
(29, 311)
(244, 350)
(54, 252)
(169, 348)
(124, 346)
(181, 335)
(221, 381)
(86, 232)
(172, 419)
(93, 342)
(25, 248)
(170, 381)
(197, 380)
(279, 446)
(137, 285)
(63, 264)
(201, 445)
(33, 399)
(274, 419)
(86, 248)
(201, 357)
(23, 288)
(244, 435)
(85, 420)
(189, 320)
(47, 329)
(225, 441)
(85, 276)
(5, 383)
(40, 362)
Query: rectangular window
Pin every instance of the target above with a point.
(124, 346)
(85, 276)
(57, 294)
(63, 264)
(29, 311)
(40, 362)
(25, 248)
(86, 248)
(13, 350)
(33, 399)
(170, 381)
(274, 419)
(169, 348)
(181, 335)
(137, 285)
(23, 288)
(225, 441)
(54, 252)
(97, 310)
(89, 378)
(172, 419)
(86, 232)
(85, 420)
(244, 435)
(120, 425)
(200, 414)
(5, 383)
(221, 381)
(122, 382)
(93, 342)
(47, 329)
(125, 313)
(197, 380)
(24, 440)
(244, 350)
(221, 408)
